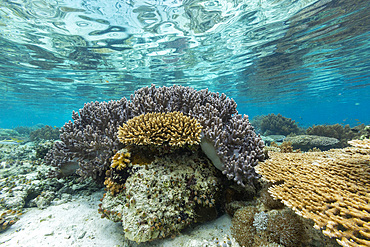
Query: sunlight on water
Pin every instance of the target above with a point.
(56, 55)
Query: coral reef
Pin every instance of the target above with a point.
(8, 218)
(43, 148)
(338, 131)
(272, 124)
(267, 200)
(161, 198)
(332, 188)
(172, 128)
(285, 227)
(45, 133)
(228, 138)
(242, 228)
(120, 160)
(90, 140)
(306, 142)
(365, 133)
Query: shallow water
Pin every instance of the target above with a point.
(307, 60)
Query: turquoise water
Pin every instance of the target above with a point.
(308, 60)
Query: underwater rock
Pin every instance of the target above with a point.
(306, 142)
(162, 198)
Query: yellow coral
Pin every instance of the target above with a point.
(112, 186)
(332, 188)
(173, 128)
(120, 160)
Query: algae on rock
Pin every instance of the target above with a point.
(162, 198)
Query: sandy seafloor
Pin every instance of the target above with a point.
(77, 223)
(70, 217)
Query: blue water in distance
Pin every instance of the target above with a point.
(308, 60)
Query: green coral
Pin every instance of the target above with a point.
(276, 125)
(42, 149)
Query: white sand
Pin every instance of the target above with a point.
(77, 223)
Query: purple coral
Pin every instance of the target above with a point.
(91, 139)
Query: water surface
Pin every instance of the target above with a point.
(305, 59)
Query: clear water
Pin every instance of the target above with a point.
(308, 60)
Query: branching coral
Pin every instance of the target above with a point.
(173, 128)
(284, 227)
(120, 159)
(91, 140)
(242, 228)
(277, 125)
(332, 188)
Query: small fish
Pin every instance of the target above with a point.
(9, 142)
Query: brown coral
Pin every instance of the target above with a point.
(173, 128)
(120, 160)
(332, 188)
(285, 227)
(112, 186)
(242, 228)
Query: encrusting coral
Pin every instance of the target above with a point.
(172, 128)
(332, 188)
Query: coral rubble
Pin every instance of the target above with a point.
(332, 188)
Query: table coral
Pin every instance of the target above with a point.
(332, 188)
